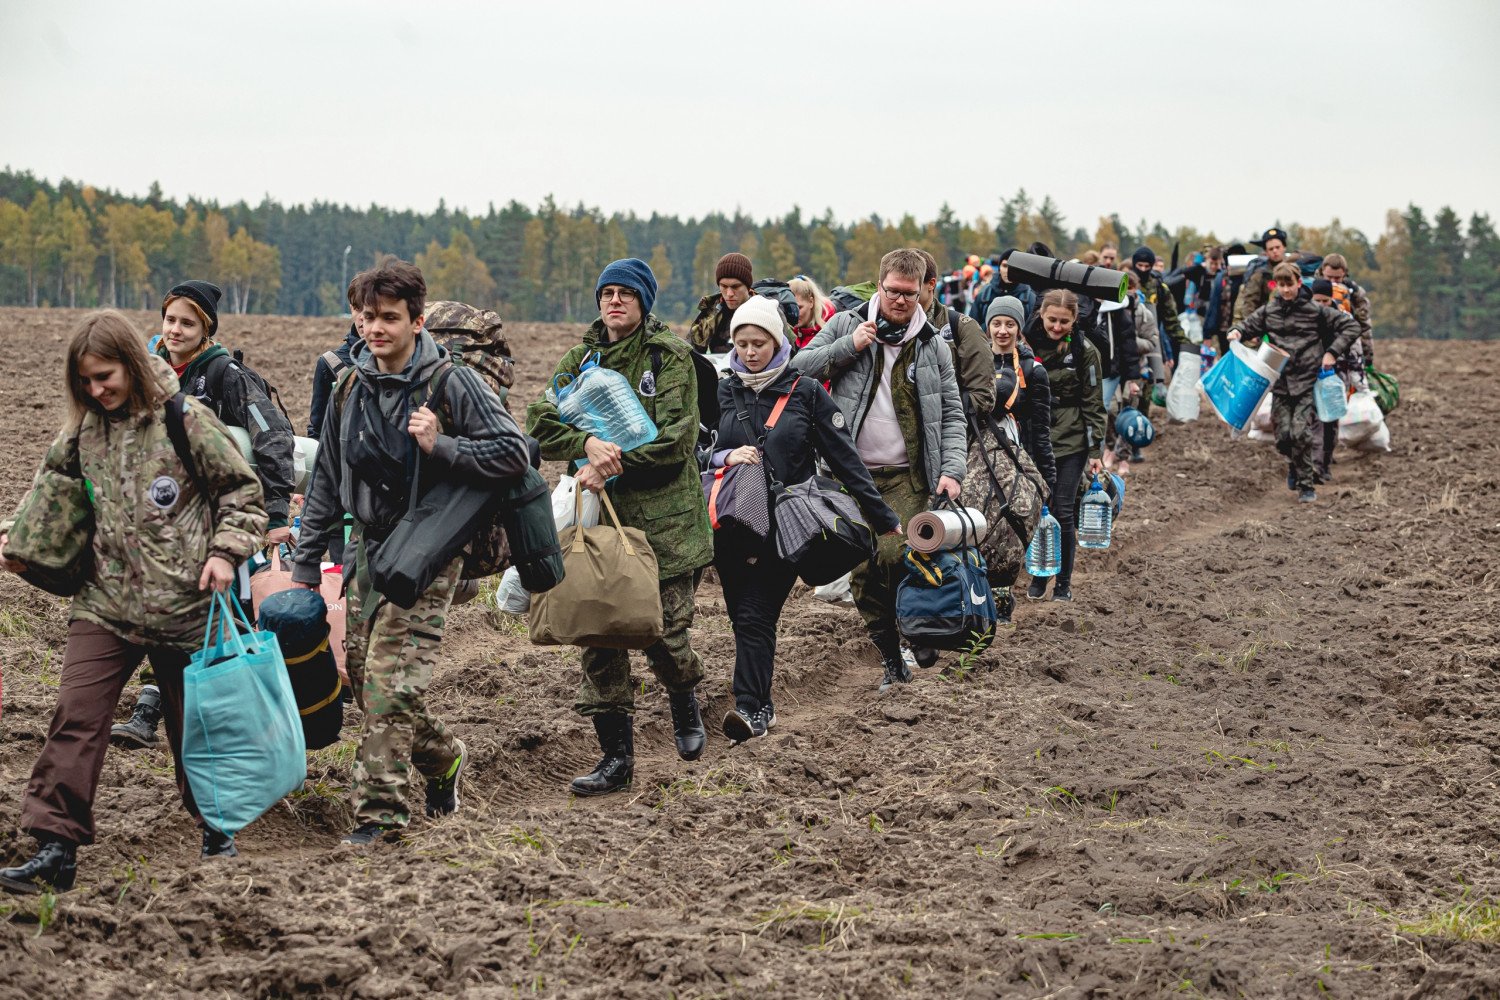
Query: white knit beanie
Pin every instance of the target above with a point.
(758, 310)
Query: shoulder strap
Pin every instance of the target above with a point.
(781, 404)
(655, 350)
(437, 393)
(335, 363)
(177, 433)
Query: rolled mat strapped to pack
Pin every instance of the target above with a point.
(242, 742)
(942, 530)
(1103, 283)
(299, 620)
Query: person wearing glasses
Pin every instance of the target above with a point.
(654, 487)
(892, 376)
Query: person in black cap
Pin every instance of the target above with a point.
(1256, 289)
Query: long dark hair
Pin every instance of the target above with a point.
(109, 336)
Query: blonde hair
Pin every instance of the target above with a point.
(906, 262)
(802, 286)
(1089, 257)
(1286, 269)
(109, 336)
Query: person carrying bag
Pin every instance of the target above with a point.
(775, 424)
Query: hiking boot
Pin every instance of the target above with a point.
(216, 845)
(896, 672)
(1037, 588)
(1005, 606)
(368, 833)
(53, 867)
(1307, 495)
(924, 656)
(687, 724)
(140, 732)
(442, 792)
(743, 725)
(616, 769)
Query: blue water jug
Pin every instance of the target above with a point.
(602, 403)
(1095, 518)
(1044, 554)
(1329, 396)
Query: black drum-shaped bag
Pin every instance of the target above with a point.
(299, 620)
(820, 530)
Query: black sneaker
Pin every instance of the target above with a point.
(1307, 495)
(216, 845)
(1062, 592)
(925, 656)
(896, 672)
(768, 715)
(743, 725)
(442, 792)
(368, 833)
(1036, 590)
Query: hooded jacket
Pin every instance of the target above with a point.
(1032, 408)
(243, 403)
(851, 374)
(660, 491)
(1113, 334)
(996, 288)
(153, 530)
(1305, 330)
(478, 442)
(323, 379)
(1077, 392)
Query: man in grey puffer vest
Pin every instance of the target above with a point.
(893, 379)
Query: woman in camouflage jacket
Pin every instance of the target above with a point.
(159, 546)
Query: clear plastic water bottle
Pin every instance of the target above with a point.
(1095, 518)
(1044, 554)
(1329, 396)
(602, 403)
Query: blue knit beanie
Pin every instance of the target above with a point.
(631, 272)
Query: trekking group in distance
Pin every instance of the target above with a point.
(912, 445)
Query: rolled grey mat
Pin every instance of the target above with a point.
(1103, 283)
(941, 530)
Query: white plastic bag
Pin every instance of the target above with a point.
(510, 596)
(1262, 420)
(1379, 441)
(1192, 325)
(837, 592)
(1361, 420)
(563, 501)
(1182, 395)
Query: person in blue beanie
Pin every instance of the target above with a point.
(654, 487)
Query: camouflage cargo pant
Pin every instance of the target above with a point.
(606, 683)
(1293, 416)
(874, 583)
(390, 653)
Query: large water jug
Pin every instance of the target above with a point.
(1095, 518)
(1329, 396)
(602, 403)
(1044, 554)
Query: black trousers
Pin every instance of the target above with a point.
(756, 584)
(1065, 509)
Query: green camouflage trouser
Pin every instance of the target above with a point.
(390, 653)
(874, 583)
(1293, 418)
(606, 683)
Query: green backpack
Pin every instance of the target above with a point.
(1386, 389)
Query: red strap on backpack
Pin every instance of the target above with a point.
(781, 404)
(713, 497)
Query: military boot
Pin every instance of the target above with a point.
(54, 867)
(140, 732)
(614, 772)
(687, 724)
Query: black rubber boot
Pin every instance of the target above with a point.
(216, 845)
(54, 866)
(1062, 586)
(687, 724)
(140, 732)
(617, 768)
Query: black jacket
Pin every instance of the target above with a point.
(323, 379)
(1113, 333)
(811, 425)
(1032, 408)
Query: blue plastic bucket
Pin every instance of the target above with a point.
(1240, 380)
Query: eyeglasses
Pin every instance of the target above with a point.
(623, 294)
(900, 296)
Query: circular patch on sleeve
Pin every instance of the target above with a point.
(838, 418)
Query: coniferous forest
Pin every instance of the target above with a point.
(71, 244)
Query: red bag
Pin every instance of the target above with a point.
(274, 579)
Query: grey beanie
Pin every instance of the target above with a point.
(1005, 305)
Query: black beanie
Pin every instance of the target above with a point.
(1040, 249)
(1322, 286)
(1144, 255)
(205, 295)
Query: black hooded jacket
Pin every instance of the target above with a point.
(323, 378)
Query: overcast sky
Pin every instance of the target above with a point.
(1225, 116)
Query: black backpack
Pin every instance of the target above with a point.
(706, 377)
(213, 382)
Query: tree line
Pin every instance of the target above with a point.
(72, 244)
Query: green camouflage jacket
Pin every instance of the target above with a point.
(709, 333)
(153, 530)
(660, 491)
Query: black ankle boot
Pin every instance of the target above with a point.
(687, 724)
(54, 866)
(1062, 584)
(617, 768)
(140, 732)
(216, 845)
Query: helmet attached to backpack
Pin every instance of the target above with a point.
(1133, 426)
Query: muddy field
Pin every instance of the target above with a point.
(1257, 756)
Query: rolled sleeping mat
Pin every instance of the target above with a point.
(299, 620)
(1102, 283)
(943, 530)
(304, 454)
